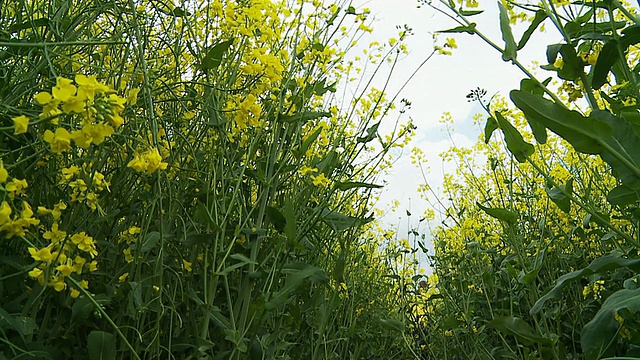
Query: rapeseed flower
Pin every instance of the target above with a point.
(20, 124)
(60, 141)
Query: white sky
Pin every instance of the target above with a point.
(440, 86)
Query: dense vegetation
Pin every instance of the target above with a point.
(198, 180)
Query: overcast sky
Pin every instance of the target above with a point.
(440, 86)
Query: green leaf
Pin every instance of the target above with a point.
(538, 18)
(510, 46)
(607, 57)
(489, 128)
(101, 346)
(598, 335)
(585, 134)
(573, 64)
(291, 226)
(303, 117)
(608, 262)
(24, 325)
(306, 144)
(236, 338)
(214, 56)
(355, 184)
(559, 198)
(393, 324)
(532, 86)
(515, 143)
(469, 29)
(81, 309)
(276, 218)
(623, 154)
(296, 276)
(501, 214)
(372, 132)
(530, 276)
(351, 10)
(242, 261)
(469, 12)
(622, 195)
(518, 328)
(339, 222)
(150, 241)
(575, 30)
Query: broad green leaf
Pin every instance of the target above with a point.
(515, 143)
(355, 184)
(469, 29)
(24, 325)
(607, 57)
(623, 154)
(295, 278)
(303, 117)
(339, 222)
(351, 10)
(604, 263)
(236, 338)
(276, 218)
(501, 214)
(530, 276)
(101, 345)
(372, 132)
(622, 195)
(559, 198)
(510, 46)
(532, 86)
(538, 18)
(214, 56)
(598, 335)
(150, 241)
(81, 309)
(573, 64)
(518, 328)
(576, 30)
(489, 128)
(393, 324)
(584, 134)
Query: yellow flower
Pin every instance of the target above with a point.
(451, 43)
(43, 254)
(84, 284)
(58, 283)
(306, 170)
(16, 187)
(75, 293)
(88, 86)
(35, 273)
(60, 141)
(132, 97)
(187, 265)
(4, 174)
(65, 269)
(5, 212)
(320, 180)
(43, 98)
(64, 89)
(123, 277)
(149, 161)
(54, 235)
(20, 124)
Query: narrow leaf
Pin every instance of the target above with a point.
(607, 57)
(303, 117)
(515, 143)
(538, 18)
(518, 328)
(500, 214)
(510, 46)
(489, 128)
(469, 29)
(354, 184)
